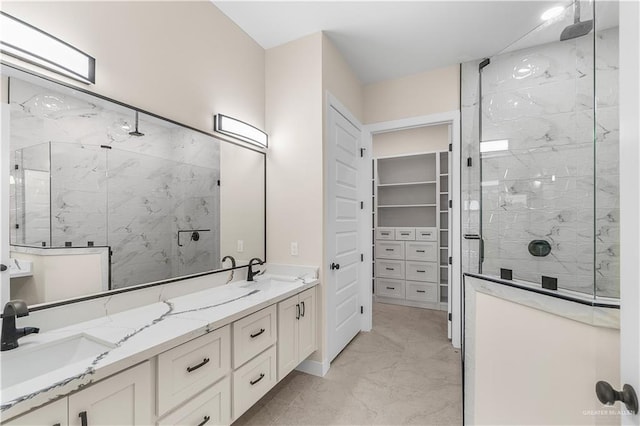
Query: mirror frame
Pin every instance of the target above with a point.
(8, 68)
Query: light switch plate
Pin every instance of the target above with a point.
(240, 247)
(294, 248)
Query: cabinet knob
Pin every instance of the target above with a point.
(608, 395)
(83, 418)
(335, 266)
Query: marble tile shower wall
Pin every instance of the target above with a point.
(541, 100)
(134, 197)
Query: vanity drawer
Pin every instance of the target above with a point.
(422, 251)
(390, 288)
(253, 380)
(406, 234)
(422, 271)
(253, 334)
(212, 406)
(385, 233)
(390, 250)
(422, 292)
(189, 368)
(390, 269)
(426, 234)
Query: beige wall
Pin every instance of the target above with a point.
(426, 93)
(184, 60)
(339, 80)
(411, 141)
(534, 367)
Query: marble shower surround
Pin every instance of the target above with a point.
(541, 99)
(133, 197)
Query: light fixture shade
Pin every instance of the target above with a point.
(240, 130)
(32, 45)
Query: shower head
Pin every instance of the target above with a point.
(136, 132)
(577, 29)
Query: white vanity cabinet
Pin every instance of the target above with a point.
(296, 331)
(53, 414)
(123, 399)
(211, 407)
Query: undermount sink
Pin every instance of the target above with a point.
(28, 362)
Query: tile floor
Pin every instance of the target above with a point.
(404, 371)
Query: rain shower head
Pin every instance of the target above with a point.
(136, 132)
(577, 29)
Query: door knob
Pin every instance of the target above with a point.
(608, 395)
(3, 268)
(335, 266)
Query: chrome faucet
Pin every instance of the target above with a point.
(250, 273)
(233, 261)
(11, 334)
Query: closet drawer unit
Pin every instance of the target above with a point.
(390, 250)
(385, 233)
(427, 234)
(421, 292)
(253, 381)
(422, 271)
(253, 334)
(390, 269)
(422, 251)
(189, 368)
(405, 234)
(390, 288)
(212, 405)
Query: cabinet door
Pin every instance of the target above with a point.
(288, 312)
(49, 415)
(123, 399)
(307, 324)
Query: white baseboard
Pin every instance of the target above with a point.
(315, 368)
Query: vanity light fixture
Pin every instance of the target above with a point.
(495, 145)
(32, 45)
(240, 130)
(551, 13)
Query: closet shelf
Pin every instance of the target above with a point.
(405, 205)
(429, 182)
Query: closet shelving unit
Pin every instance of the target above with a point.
(411, 223)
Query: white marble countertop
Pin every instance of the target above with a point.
(140, 334)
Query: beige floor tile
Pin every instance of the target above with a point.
(404, 371)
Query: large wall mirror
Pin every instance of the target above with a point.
(104, 197)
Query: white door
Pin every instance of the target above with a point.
(629, 201)
(4, 206)
(342, 248)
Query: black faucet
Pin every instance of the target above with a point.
(11, 334)
(250, 273)
(233, 261)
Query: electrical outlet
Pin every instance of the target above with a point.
(294, 248)
(240, 247)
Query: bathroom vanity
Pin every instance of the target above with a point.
(201, 358)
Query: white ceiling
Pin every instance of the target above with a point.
(389, 39)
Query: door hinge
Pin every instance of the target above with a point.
(450, 260)
(362, 309)
(361, 205)
(17, 226)
(361, 257)
(218, 182)
(469, 162)
(450, 317)
(16, 167)
(362, 150)
(450, 147)
(450, 204)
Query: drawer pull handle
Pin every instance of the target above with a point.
(404, 233)
(253, 382)
(419, 270)
(303, 309)
(57, 424)
(420, 251)
(254, 335)
(391, 288)
(204, 420)
(195, 367)
(384, 233)
(426, 234)
(420, 291)
(389, 249)
(83, 418)
(390, 269)
(297, 311)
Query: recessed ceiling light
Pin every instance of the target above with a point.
(552, 13)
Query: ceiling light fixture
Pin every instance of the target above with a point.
(554, 12)
(32, 45)
(240, 130)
